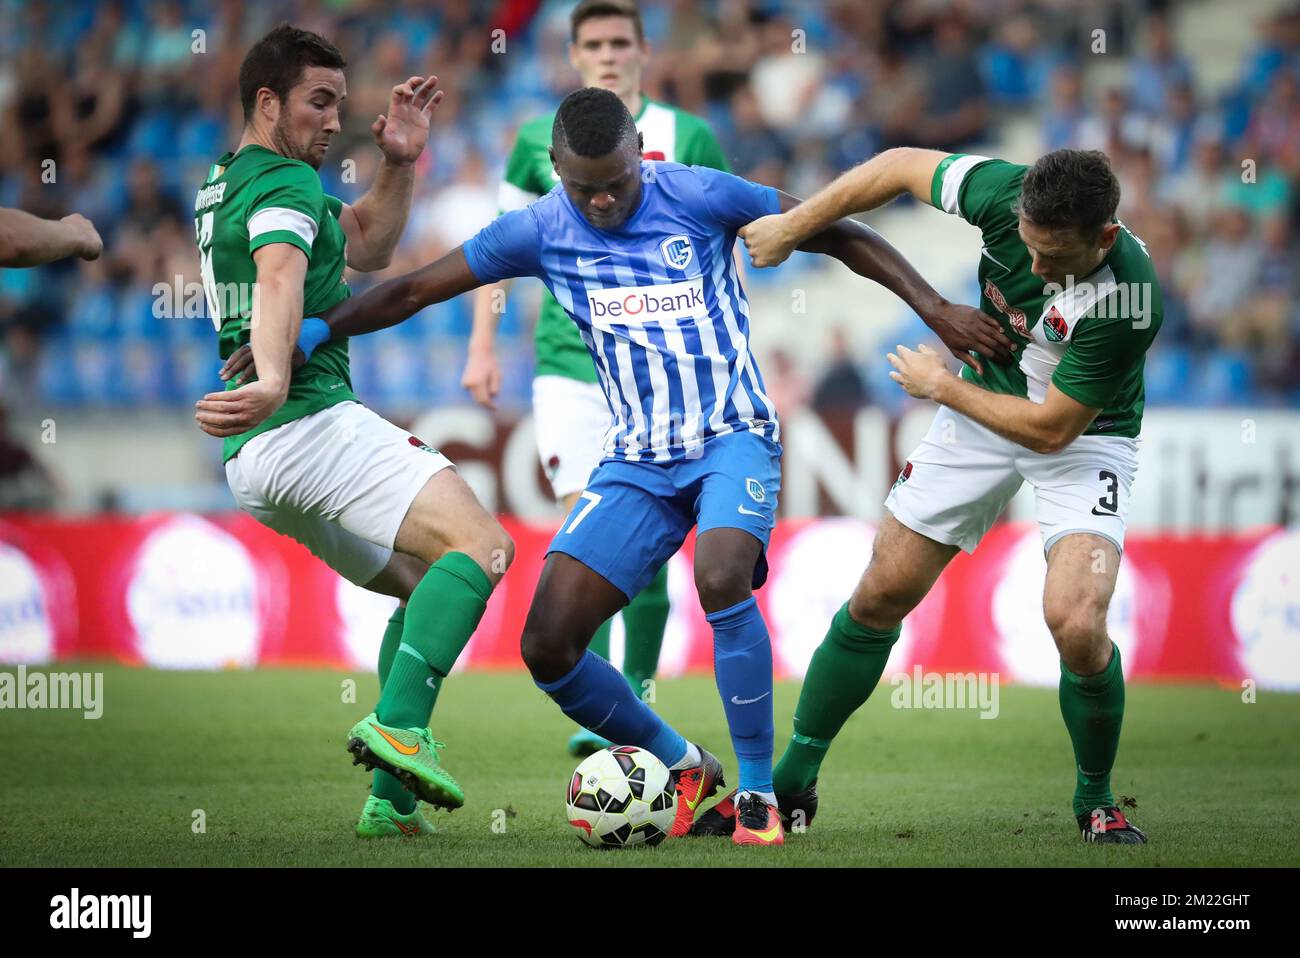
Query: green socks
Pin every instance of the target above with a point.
(441, 615)
(1093, 709)
(645, 617)
(383, 785)
(844, 671)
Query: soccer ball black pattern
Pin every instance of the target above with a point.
(621, 796)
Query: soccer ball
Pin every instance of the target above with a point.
(621, 796)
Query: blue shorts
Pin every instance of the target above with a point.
(633, 516)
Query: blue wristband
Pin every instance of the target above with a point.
(314, 331)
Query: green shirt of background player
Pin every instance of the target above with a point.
(1077, 293)
(608, 50)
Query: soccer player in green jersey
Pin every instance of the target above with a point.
(608, 50)
(1077, 292)
(373, 502)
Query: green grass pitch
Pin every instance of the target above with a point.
(262, 755)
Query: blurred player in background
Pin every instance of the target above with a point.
(640, 255)
(571, 415)
(307, 459)
(1077, 291)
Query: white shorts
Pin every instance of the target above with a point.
(961, 477)
(571, 419)
(339, 481)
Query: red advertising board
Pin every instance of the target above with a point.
(188, 591)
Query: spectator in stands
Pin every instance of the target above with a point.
(1155, 74)
(841, 388)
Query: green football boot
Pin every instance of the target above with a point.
(380, 820)
(583, 743)
(408, 754)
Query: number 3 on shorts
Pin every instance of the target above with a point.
(593, 499)
(1110, 501)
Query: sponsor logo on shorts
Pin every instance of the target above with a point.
(421, 444)
(1055, 327)
(755, 489)
(904, 475)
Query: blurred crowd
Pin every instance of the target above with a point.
(116, 109)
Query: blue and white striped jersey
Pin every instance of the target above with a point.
(657, 302)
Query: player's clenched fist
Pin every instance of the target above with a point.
(769, 239)
(90, 245)
(918, 372)
(236, 411)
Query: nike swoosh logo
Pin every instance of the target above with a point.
(736, 700)
(1110, 515)
(429, 682)
(769, 835)
(404, 749)
(584, 263)
(601, 724)
(985, 252)
(749, 512)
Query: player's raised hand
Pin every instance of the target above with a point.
(403, 131)
(769, 240)
(238, 410)
(918, 372)
(88, 237)
(482, 377)
(965, 328)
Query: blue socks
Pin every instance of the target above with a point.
(596, 696)
(742, 665)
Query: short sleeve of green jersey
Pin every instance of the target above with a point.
(334, 205)
(698, 146)
(521, 183)
(287, 208)
(980, 190)
(1104, 355)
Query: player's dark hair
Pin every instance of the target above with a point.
(592, 122)
(590, 9)
(1070, 188)
(277, 61)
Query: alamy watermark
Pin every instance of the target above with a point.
(53, 690)
(947, 690)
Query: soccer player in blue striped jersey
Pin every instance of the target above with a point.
(639, 254)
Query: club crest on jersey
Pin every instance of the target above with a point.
(755, 489)
(1055, 327)
(677, 251)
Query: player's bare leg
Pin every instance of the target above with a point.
(1081, 573)
(467, 552)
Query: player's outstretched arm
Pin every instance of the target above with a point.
(27, 240)
(377, 308)
(863, 250)
(771, 239)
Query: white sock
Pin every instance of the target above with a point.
(689, 760)
(769, 797)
